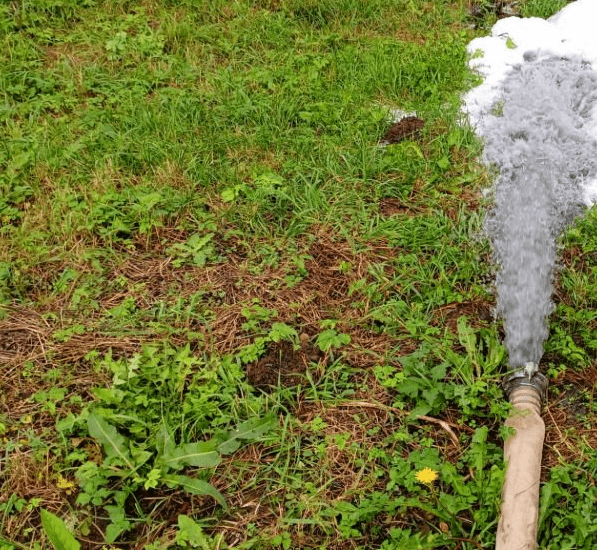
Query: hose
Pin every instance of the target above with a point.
(517, 527)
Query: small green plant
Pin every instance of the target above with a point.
(197, 250)
(255, 316)
(48, 400)
(565, 515)
(419, 381)
(57, 532)
(564, 344)
(329, 339)
(191, 535)
(278, 331)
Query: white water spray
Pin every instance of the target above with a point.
(537, 110)
(538, 140)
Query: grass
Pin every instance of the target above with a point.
(229, 318)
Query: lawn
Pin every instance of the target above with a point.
(241, 306)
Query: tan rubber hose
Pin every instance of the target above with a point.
(517, 528)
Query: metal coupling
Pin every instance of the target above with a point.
(527, 378)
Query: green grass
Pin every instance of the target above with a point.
(542, 8)
(189, 188)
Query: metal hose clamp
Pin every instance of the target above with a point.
(528, 377)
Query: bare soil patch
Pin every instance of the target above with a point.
(406, 128)
(283, 365)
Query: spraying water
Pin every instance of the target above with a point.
(537, 110)
(537, 139)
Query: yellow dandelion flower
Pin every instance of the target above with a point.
(65, 484)
(28, 419)
(427, 476)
